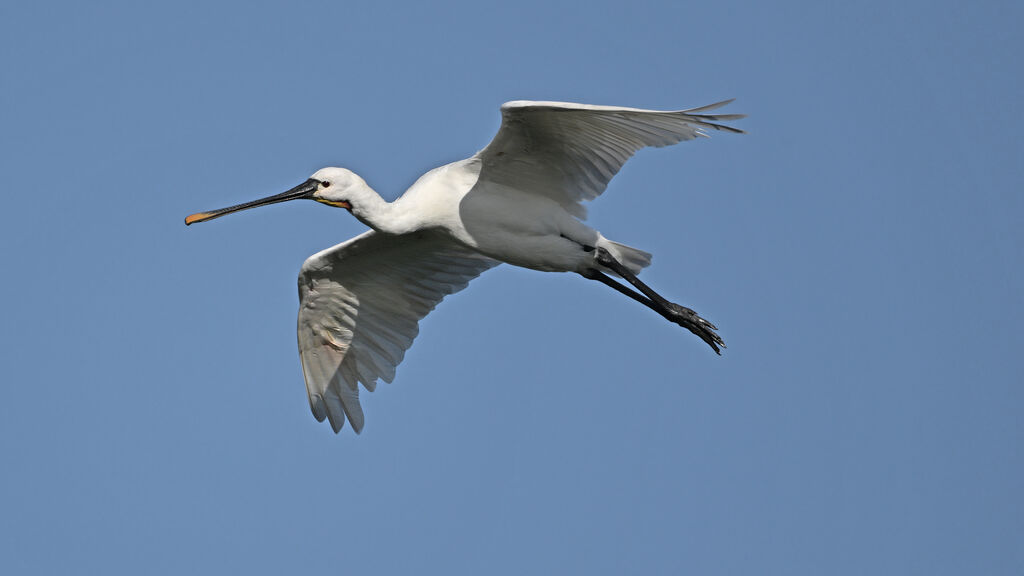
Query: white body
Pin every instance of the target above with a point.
(504, 223)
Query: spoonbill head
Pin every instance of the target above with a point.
(338, 187)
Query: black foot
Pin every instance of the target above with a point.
(675, 313)
(689, 319)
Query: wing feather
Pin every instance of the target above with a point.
(569, 152)
(360, 304)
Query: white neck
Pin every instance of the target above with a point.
(379, 214)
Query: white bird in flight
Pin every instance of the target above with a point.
(519, 200)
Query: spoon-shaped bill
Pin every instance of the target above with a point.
(302, 191)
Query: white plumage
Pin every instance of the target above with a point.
(519, 200)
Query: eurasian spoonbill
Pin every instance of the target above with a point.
(519, 200)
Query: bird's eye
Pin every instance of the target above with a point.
(326, 184)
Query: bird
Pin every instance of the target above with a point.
(518, 201)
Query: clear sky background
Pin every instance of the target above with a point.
(860, 250)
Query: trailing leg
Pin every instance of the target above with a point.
(609, 281)
(671, 311)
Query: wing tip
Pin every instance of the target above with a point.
(725, 128)
(317, 407)
(710, 120)
(337, 421)
(708, 107)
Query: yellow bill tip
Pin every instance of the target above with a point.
(198, 217)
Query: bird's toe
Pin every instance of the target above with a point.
(703, 329)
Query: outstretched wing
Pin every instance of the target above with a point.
(360, 304)
(568, 152)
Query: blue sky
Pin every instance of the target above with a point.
(860, 250)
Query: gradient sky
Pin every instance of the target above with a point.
(860, 250)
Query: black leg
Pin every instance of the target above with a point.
(609, 281)
(671, 311)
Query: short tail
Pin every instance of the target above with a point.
(633, 259)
